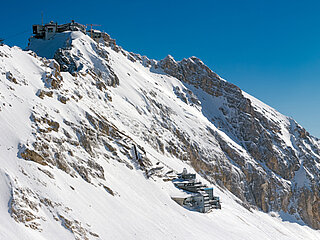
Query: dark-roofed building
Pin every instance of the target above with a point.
(48, 30)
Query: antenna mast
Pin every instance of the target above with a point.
(91, 27)
(42, 18)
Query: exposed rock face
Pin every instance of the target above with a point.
(53, 78)
(270, 184)
(23, 208)
(27, 207)
(32, 156)
(76, 63)
(98, 114)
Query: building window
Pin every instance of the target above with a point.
(35, 29)
(50, 29)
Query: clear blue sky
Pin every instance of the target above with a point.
(270, 49)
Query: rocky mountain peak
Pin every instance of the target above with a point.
(263, 134)
(269, 169)
(85, 119)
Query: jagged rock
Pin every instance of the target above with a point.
(48, 173)
(109, 190)
(53, 79)
(80, 233)
(11, 78)
(40, 121)
(41, 93)
(101, 86)
(31, 155)
(23, 207)
(76, 64)
(63, 99)
(236, 145)
(258, 135)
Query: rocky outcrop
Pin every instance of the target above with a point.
(27, 207)
(269, 183)
(23, 207)
(83, 123)
(96, 133)
(31, 155)
(99, 69)
(53, 78)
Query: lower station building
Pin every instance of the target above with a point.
(197, 196)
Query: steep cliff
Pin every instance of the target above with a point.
(71, 116)
(285, 174)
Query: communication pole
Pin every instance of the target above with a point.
(91, 27)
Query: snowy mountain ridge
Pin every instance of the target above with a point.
(69, 126)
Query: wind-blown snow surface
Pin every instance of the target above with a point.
(141, 207)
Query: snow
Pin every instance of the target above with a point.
(141, 208)
(47, 48)
(282, 120)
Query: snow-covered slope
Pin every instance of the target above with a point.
(67, 132)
